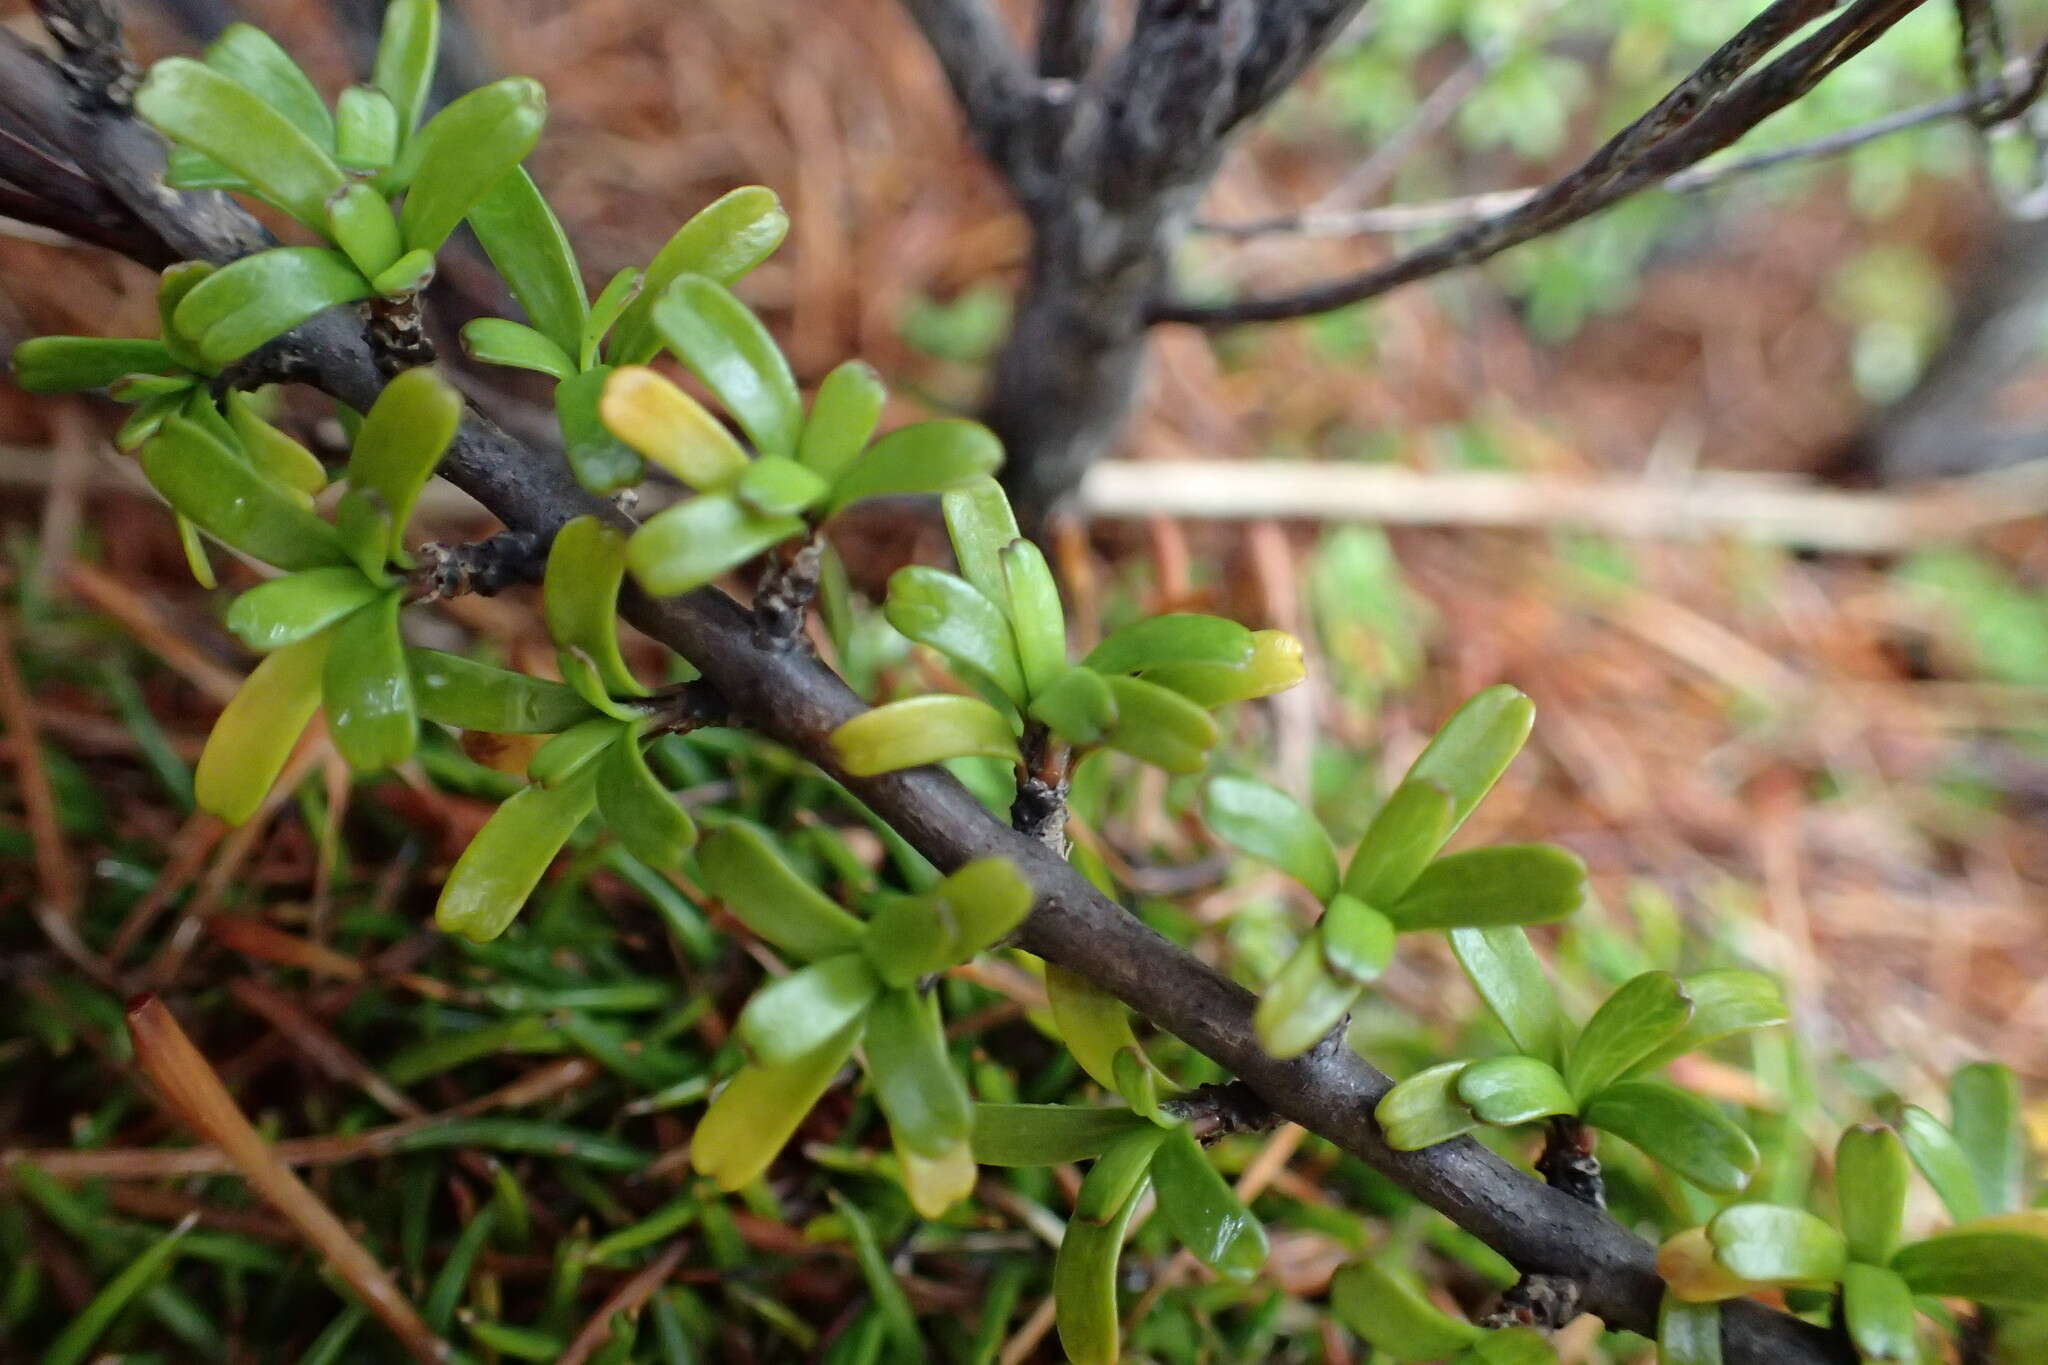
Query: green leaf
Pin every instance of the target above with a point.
(1641, 1016)
(692, 543)
(924, 457)
(1425, 1109)
(525, 242)
(1274, 666)
(914, 1081)
(672, 429)
(725, 345)
(1475, 746)
(908, 939)
(194, 546)
(1872, 1173)
(843, 417)
(1394, 1316)
(1203, 1212)
(1047, 1134)
(1084, 1268)
(1984, 1115)
(1509, 977)
(252, 59)
(1512, 1346)
(897, 1319)
(463, 152)
(1688, 1333)
(240, 306)
(936, 609)
(637, 807)
(1175, 638)
(363, 226)
(612, 300)
(214, 115)
(258, 731)
(1160, 727)
(364, 531)
(402, 439)
(1093, 1023)
(69, 364)
(1036, 615)
(1724, 1003)
(1078, 706)
(741, 867)
(988, 898)
(1271, 825)
(1773, 1244)
(1303, 1002)
(751, 1119)
(776, 483)
(795, 1015)
(908, 734)
(502, 865)
(1981, 1262)
(289, 609)
(233, 503)
(1358, 941)
(980, 523)
(367, 688)
(270, 450)
(1943, 1162)
(186, 169)
(406, 53)
(602, 462)
(408, 274)
(574, 751)
(1879, 1310)
(580, 597)
(726, 239)
(1511, 1090)
(1404, 836)
(1507, 884)
(74, 1344)
(499, 341)
(172, 286)
(453, 690)
(366, 132)
(1679, 1130)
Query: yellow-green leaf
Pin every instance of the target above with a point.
(258, 730)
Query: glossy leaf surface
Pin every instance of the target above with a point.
(1677, 1129)
(922, 730)
(402, 439)
(1509, 977)
(454, 690)
(755, 1114)
(464, 151)
(195, 105)
(1394, 1316)
(258, 730)
(1269, 824)
(525, 242)
(1203, 1212)
(1641, 1016)
(367, 688)
(638, 808)
(1511, 1090)
(1505, 884)
(725, 345)
(508, 857)
(937, 609)
(742, 868)
(289, 609)
(230, 501)
(240, 306)
(722, 242)
(669, 427)
(1047, 1134)
(1425, 1109)
(799, 1013)
(842, 418)
(925, 457)
(692, 543)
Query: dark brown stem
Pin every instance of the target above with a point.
(789, 583)
(484, 567)
(1222, 1109)
(1569, 1162)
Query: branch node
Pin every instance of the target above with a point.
(1221, 1109)
(1545, 1302)
(94, 58)
(485, 567)
(398, 335)
(787, 586)
(1569, 1164)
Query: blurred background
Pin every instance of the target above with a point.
(1758, 529)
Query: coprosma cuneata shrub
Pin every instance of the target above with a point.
(382, 188)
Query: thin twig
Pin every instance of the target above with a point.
(1698, 117)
